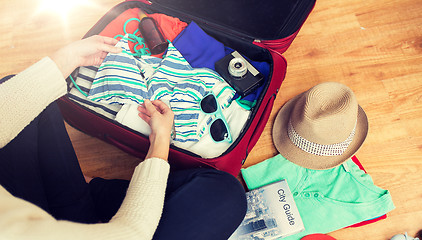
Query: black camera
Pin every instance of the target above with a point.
(239, 73)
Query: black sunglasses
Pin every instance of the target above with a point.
(219, 129)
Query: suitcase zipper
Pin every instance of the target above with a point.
(143, 1)
(204, 23)
(279, 46)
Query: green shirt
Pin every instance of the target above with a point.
(327, 200)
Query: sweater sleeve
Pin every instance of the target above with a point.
(26, 95)
(137, 218)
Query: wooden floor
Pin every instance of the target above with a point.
(374, 47)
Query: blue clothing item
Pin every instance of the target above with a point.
(125, 79)
(202, 50)
(327, 200)
(198, 48)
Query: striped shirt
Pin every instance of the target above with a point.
(125, 79)
(84, 81)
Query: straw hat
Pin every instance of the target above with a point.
(320, 128)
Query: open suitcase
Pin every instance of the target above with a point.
(261, 31)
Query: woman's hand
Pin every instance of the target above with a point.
(86, 52)
(160, 118)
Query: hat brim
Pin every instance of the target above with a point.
(291, 152)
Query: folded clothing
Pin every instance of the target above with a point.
(327, 200)
(84, 81)
(202, 50)
(205, 146)
(125, 79)
(128, 116)
(198, 48)
(236, 115)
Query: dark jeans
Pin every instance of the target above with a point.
(40, 166)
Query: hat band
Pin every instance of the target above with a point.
(319, 149)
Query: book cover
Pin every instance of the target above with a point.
(271, 214)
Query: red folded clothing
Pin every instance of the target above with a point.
(170, 26)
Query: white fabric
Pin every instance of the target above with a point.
(128, 116)
(206, 147)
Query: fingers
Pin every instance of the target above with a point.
(148, 109)
(109, 48)
(103, 55)
(106, 44)
(149, 106)
(158, 116)
(155, 106)
(144, 113)
(160, 106)
(145, 117)
(109, 41)
(142, 109)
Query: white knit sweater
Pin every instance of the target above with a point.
(22, 98)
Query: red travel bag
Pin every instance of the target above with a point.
(261, 30)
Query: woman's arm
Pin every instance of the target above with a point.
(27, 94)
(157, 115)
(139, 214)
(137, 218)
(87, 52)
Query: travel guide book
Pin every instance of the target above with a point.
(272, 214)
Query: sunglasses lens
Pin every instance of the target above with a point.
(209, 104)
(218, 130)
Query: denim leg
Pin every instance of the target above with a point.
(201, 204)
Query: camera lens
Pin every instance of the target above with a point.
(237, 67)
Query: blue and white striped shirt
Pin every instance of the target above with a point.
(125, 79)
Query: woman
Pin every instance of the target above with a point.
(43, 194)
